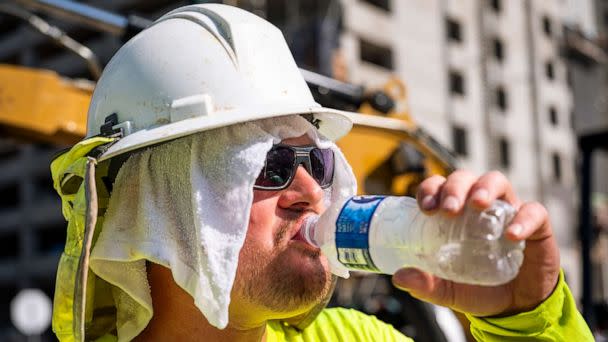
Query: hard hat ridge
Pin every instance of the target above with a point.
(206, 17)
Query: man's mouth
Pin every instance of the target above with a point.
(297, 234)
(296, 231)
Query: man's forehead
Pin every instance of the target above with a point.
(298, 141)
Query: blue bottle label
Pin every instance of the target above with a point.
(352, 232)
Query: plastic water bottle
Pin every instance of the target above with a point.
(382, 234)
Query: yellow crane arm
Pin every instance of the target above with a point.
(39, 105)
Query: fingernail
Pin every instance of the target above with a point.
(481, 195)
(451, 203)
(516, 229)
(408, 279)
(429, 203)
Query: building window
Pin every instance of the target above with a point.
(376, 54)
(459, 141)
(502, 101)
(454, 30)
(547, 26)
(504, 150)
(383, 4)
(456, 83)
(496, 5)
(549, 71)
(553, 116)
(498, 49)
(557, 167)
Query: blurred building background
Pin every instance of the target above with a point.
(507, 85)
(488, 79)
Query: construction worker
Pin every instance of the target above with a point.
(204, 154)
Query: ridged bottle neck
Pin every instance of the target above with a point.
(309, 228)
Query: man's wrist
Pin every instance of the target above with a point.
(555, 319)
(534, 301)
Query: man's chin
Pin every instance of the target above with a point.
(302, 278)
(290, 281)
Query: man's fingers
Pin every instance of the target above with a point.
(448, 194)
(455, 190)
(489, 187)
(531, 222)
(427, 192)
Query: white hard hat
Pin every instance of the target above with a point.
(196, 68)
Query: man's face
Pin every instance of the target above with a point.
(278, 272)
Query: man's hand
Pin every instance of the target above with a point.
(540, 269)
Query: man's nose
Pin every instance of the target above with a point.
(303, 193)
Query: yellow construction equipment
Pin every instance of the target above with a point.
(388, 152)
(40, 106)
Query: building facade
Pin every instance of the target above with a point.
(486, 78)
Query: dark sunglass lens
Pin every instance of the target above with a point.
(322, 163)
(277, 171)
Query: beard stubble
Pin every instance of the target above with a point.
(266, 278)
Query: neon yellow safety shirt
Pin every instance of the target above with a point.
(556, 319)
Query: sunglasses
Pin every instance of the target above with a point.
(282, 162)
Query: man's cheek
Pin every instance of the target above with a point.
(260, 235)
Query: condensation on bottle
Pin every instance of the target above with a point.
(383, 234)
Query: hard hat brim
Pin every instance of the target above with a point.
(334, 124)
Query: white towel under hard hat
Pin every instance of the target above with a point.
(185, 205)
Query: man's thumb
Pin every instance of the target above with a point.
(424, 286)
(418, 283)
